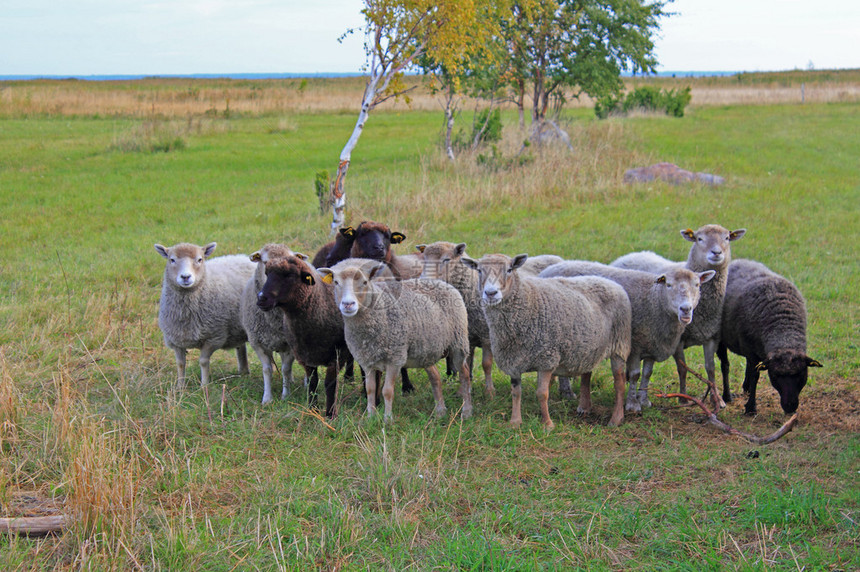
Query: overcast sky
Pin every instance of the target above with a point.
(91, 37)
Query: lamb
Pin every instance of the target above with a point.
(336, 250)
(662, 307)
(394, 324)
(443, 261)
(199, 305)
(711, 250)
(313, 325)
(764, 320)
(265, 329)
(561, 326)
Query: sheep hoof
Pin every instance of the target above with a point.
(616, 422)
(440, 412)
(515, 423)
(633, 406)
(548, 425)
(466, 413)
(267, 399)
(582, 411)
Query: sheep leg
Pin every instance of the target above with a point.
(371, 388)
(633, 373)
(584, 406)
(516, 401)
(349, 370)
(436, 386)
(709, 348)
(466, 390)
(242, 358)
(682, 372)
(180, 367)
(449, 367)
(331, 388)
(266, 359)
(620, 375)
(564, 389)
(407, 385)
(287, 360)
(725, 369)
(543, 380)
(205, 354)
(388, 391)
(751, 382)
(642, 394)
(487, 366)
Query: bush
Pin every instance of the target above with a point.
(486, 128)
(645, 98)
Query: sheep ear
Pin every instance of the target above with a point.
(256, 257)
(706, 276)
(308, 278)
(661, 279)
(518, 261)
(327, 275)
(348, 232)
(377, 271)
(301, 256)
(813, 362)
(209, 249)
(689, 234)
(736, 234)
(469, 263)
(162, 250)
(420, 248)
(460, 249)
(397, 237)
(761, 366)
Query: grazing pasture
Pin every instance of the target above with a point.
(91, 426)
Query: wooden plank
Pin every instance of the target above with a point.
(33, 525)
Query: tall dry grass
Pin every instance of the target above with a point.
(180, 97)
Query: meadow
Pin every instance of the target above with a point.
(91, 426)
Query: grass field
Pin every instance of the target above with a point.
(91, 427)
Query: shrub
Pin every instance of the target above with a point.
(645, 98)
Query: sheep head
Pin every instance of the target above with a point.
(496, 275)
(681, 290)
(185, 263)
(439, 258)
(374, 240)
(788, 370)
(353, 284)
(711, 244)
(288, 281)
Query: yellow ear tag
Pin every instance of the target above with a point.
(328, 278)
(761, 366)
(815, 363)
(256, 257)
(308, 279)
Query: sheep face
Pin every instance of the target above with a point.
(353, 286)
(496, 275)
(681, 290)
(287, 282)
(374, 240)
(185, 263)
(711, 243)
(272, 251)
(788, 370)
(439, 258)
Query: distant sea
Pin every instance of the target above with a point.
(124, 77)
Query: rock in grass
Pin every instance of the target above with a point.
(670, 173)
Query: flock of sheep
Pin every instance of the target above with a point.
(358, 301)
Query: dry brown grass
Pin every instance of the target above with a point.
(173, 97)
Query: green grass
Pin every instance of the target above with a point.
(174, 483)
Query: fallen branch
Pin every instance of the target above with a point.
(711, 386)
(712, 419)
(33, 525)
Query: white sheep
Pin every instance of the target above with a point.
(711, 250)
(391, 324)
(199, 305)
(662, 307)
(561, 326)
(266, 329)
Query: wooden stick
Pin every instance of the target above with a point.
(711, 386)
(33, 525)
(712, 419)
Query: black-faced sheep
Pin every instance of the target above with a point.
(266, 329)
(662, 307)
(561, 326)
(711, 250)
(199, 305)
(312, 323)
(764, 320)
(443, 261)
(336, 250)
(392, 324)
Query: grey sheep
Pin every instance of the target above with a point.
(534, 265)
(392, 324)
(199, 305)
(764, 320)
(711, 250)
(561, 326)
(662, 307)
(266, 329)
(443, 261)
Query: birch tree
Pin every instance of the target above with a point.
(397, 34)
